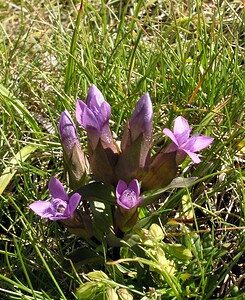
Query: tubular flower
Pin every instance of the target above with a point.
(141, 119)
(183, 144)
(136, 141)
(60, 207)
(128, 199)
(75, 160)
(128, 195)
(94, 117)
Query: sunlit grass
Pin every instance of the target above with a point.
(189, 56)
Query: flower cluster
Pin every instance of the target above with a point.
(130, 168)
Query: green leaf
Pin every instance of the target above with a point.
(179, 182)
(178, 251)
(82, 256)
(97, 191)
(14, 164)
(102, 219)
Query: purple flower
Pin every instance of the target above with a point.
(183, 143)
(94, 116)
(68, 132)
(60, 207)
(128, 199)
(128, 195)
(136, 141)
(75, 160)
(141, 119)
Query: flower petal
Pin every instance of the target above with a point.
(121, 187)
(98, 106)
(90, 120)
(141, 119)
(85, 117)
(128, 199)
(143, 109)
(104, 114)
(197, 143)
(94, 97)
(181, 126)
(42, 208)
(182, 130)
(134, 185)
(80, 107)
(170, 134)
(73, 202)
(121, 204)
(67, 132)
(193, 156)
(66, 125)
(140, 199)
(56, 189)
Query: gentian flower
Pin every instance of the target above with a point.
(68, 132)
(128, 199)
(94, 117)
(128, 195)
(136, 141)
(60, 207)
(141, 119)
(75, 160)
(183, 143)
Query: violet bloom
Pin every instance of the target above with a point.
(60, 207)
(136, 141)
(141, 119)
(183, 143)
(128, 195)
(75, 160)
(128, 199)
(94, 116)
(67, 132)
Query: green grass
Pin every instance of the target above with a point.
(189, 56)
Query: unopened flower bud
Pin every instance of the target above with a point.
(75, 160)
(136, 141)
(141, 120)
(111, 294)
(124, 294)
(156, 232)
(89, 290)
(97, 275)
